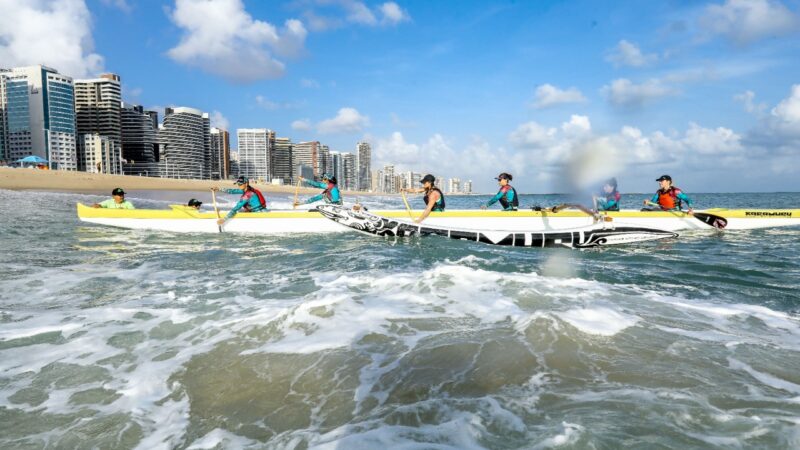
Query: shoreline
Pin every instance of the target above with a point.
(84, 182)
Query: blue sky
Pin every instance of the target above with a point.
(549, 91)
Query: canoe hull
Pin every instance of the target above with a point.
(596, 235)
(180, 219)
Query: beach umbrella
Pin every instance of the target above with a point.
(32, 159)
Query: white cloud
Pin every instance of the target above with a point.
(221, 38)
(219, 121)
(532, 135)
(748, 100)
(548, 95)
(309, 83)
(745, 21)
(301, 125)
(265, 103)
(623, 93)
(56, 33)
(392, 14)
(322, 15)
(629, 54)
(347, 120)
(785, 117)
(122, 5)
(708, 141)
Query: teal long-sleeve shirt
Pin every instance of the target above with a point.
(506, 191)
(248, 198)
(335, 197)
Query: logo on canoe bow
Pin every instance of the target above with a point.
(768, 214)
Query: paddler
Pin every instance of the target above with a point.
(116, 202)
(608, 199)
(251, 199)
(507, 195)
(194, 203)
(331, 193)
(669, 197)
(434, 198)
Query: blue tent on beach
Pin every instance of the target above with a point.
(33, 159)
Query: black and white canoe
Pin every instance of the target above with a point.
(599, 234)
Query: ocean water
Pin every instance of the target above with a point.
(113, 338)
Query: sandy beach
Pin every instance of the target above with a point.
(64, 181)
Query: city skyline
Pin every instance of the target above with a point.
(705, 91)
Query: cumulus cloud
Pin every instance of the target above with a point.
(322, 15)
(347, 120)
(629, 54)
(624, 93)
(301, 125)
(747, 98)
(219, 121)
(56, 33)
(222, 38)
(309, 83)
(785, 117)
(746, 21)
(122, 5)
(548, 95)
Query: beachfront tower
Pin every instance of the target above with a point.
(348, 181)
(282, 160)
(97, 108)
(255, 152)
(220, 154)
(139, 140)
(364, 166)
(39, 112)
(307, 154)
(184, 140)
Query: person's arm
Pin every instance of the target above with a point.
(107, 203)
(414, 191)
(239, 205)
(315, 198)
(317, 184)
(602, 203)
(495, 199)
(685, 198)
(653, 199)
(432, 199)
(233, 191)
(127, 205)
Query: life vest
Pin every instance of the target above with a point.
(613, 196)
(328, 194)
(668, 199)
(439, 206)
(261, 200)
(504, 199)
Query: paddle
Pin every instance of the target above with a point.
(715, 221)
(296, 191)
(582, 208)
(216, 210)
(408, 207)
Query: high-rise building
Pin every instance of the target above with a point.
(388, 179)
(337, 168)
(220, 167)
(467, 189)
(454, 185)
(185, 147)
(255, 152)
(99, 154)
(364, 166)
(307, 154)
(140, 147)
(412, 179)
(282, 160)
(39, 116)
(324, 163)
(348, 181)
(235, 163)
(97, 110)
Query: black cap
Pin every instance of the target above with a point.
(664, 177)
(504, 176)
(194, 202)
(241, 180)
(428, 179)
(117, 191)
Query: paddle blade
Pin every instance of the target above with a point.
(710, 219)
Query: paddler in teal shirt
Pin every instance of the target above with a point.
(331, 193)
(251, 199)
